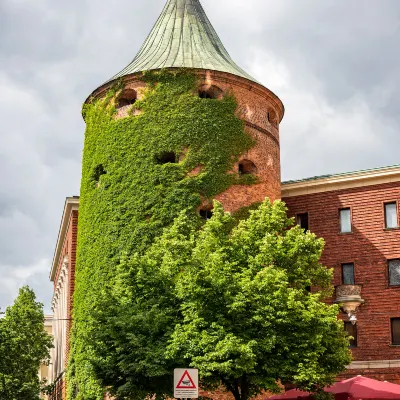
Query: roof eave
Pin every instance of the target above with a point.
(344, 181)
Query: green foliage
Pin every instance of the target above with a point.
(127, 198)
(231, 302)
(24, 345)
(249, 321)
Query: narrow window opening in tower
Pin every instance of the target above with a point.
(127, 97)
(273, 118)
(247, 167)
(210, 92)
(206, 213)
(97, 173)
(167, 157)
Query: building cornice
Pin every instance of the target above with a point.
(341, 181)
(375, 364)
(71, 204)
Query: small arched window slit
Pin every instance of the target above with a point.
(206, 213)
(247, 167)
(273, 118)
(210, 92)
(127, 98)
(97, 173)
(168, 157)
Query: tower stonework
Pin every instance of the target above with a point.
(260, 110)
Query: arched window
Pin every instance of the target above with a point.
(98, 172)
(210, 92)
(247, 167)
(272, 117)
(206, 213)
(127, 98)
(166, 157)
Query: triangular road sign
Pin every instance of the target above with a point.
(186, 382)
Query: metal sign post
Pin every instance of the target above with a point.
(186, 383)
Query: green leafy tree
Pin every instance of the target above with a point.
(24, 345)
(249, 320)
(231, 301)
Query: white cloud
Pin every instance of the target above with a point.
(319, 136)
(14, 277)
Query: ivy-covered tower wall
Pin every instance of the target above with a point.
(261, 112)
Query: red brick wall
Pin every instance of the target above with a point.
(69, 250)
(381, 374)
(73, 228)
(369, 247)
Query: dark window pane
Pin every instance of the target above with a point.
(391, 215)
(206, 214)
(396, 330)
(394, 272)
(348, 274)
(302, 221)
(351, 331)
(345, 220)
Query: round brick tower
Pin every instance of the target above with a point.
(191, 42)
(180, 126)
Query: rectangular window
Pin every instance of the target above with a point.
(351, 331)
(391, 215)
(394, 272)
(348, 274)
(395, 322)
(345, 220)
(302, 220)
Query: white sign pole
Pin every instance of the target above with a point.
(186, 383)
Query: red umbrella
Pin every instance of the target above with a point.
(358, 388)
(361, 388)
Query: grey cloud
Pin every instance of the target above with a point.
(334, 63)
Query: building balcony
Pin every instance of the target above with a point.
(349, 297)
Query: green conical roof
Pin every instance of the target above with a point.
(183, 37)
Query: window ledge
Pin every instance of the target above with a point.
(394, 287)
(345, 233)
(392, 229)
(394, 345)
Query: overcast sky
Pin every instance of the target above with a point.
(334, 63)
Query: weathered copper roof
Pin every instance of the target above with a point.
(183, 37)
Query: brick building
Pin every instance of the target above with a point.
(356, 213)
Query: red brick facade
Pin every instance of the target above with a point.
(369, 246)
(65, 258)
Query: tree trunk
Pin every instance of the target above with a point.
(238, 387)
(244, 388)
